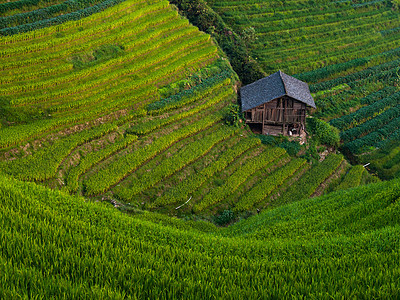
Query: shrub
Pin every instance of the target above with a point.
(224, 218)
(311, 154)
(292, 147)
(323, 132)
(232, 117)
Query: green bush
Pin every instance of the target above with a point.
(291, 147)
(232, 117)
(267, 139)
(323, 132)
(311, 154)
(224, 218)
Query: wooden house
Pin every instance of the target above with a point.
(276, 104)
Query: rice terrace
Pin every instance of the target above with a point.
(154, 149)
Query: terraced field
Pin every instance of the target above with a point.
(132, 109)
(348, 51)
(364, 106)
(299, 36)
(126, 102)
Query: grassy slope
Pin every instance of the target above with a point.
(341, 245)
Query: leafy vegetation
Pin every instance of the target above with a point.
(67, 246)
(126, 102)
(352, 178)
(323, 132)
(350, 62)
(202, 15)
(308, 183)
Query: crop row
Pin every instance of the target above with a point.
(334, 53)
(360, 35)
(294, 16)
(329, 44)
(100, 82)
(40, 73)
(13, 135)
(263, 188)
(182, 190)
(359, 116)
(94, 158)
(73, 16)
(82, 74)
(193, 56)
(376, 70)
(161, 22)
(188, 96)
(338, 54)
(322, 73)
(121, 167)
(322, 25)
(393, 137)
(273, 9)
(236, 179)
(352, 178)
(320, 30)
(171, 165)
(130, 69)
(309, 182)
(136, 21)
(147, 127)
(43, 34)
(128, 25)
(176, 67)
(371, 125)
(43, 164)
(138, 99)
(44, 13)
(160, 56)
(113, 255)
(13, 7)
(383, 131)
(7, 6)
(339, 103)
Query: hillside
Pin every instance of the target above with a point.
(131, 110)
(348, 51)
(344, 244)
(123, 158)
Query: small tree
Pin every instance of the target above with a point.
(233, 115)
(396, 4)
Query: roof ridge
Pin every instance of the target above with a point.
(283, 81)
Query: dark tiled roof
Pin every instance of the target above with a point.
(275, 86)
